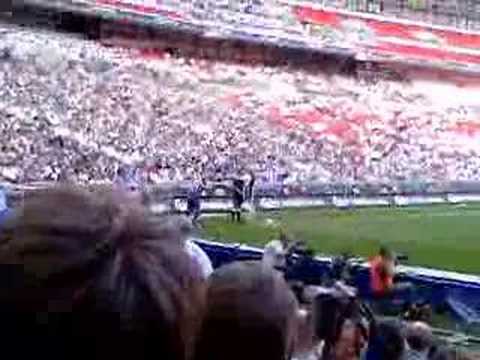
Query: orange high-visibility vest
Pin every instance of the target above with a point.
(380, 280)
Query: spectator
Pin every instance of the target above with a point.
(350, 342)
(340, 134)
(251, 314)
(275, 253)
(308, 347)
(386, 342)
(184, 227)
(419, 338)
(88, 276)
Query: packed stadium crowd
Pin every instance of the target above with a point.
(98, 275)
(75, 109)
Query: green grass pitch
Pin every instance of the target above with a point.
(442, 237)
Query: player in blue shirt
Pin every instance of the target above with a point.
(4, 210)
(193, 200)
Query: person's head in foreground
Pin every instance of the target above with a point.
(350, 342)
(386, 342)
(88, 276)
(419, 338)
(250, 314)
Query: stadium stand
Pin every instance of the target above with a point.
(270, 119)
(281, 122)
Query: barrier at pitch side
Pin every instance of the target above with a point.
(460, 292)
(224, 204)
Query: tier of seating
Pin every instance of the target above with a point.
(72, 108)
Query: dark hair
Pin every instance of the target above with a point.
(386, 341)
(419, 336)
(385, 252)
(251, 314)
(89, 276)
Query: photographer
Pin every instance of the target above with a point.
(382, 274)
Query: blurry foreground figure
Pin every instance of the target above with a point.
(275, 254)
(251, 314)
(350, 342)
(184, 227)
(307, 345)
(419, 338)
(386, 343)
(86, 277)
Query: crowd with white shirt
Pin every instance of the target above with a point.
(74, 109)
